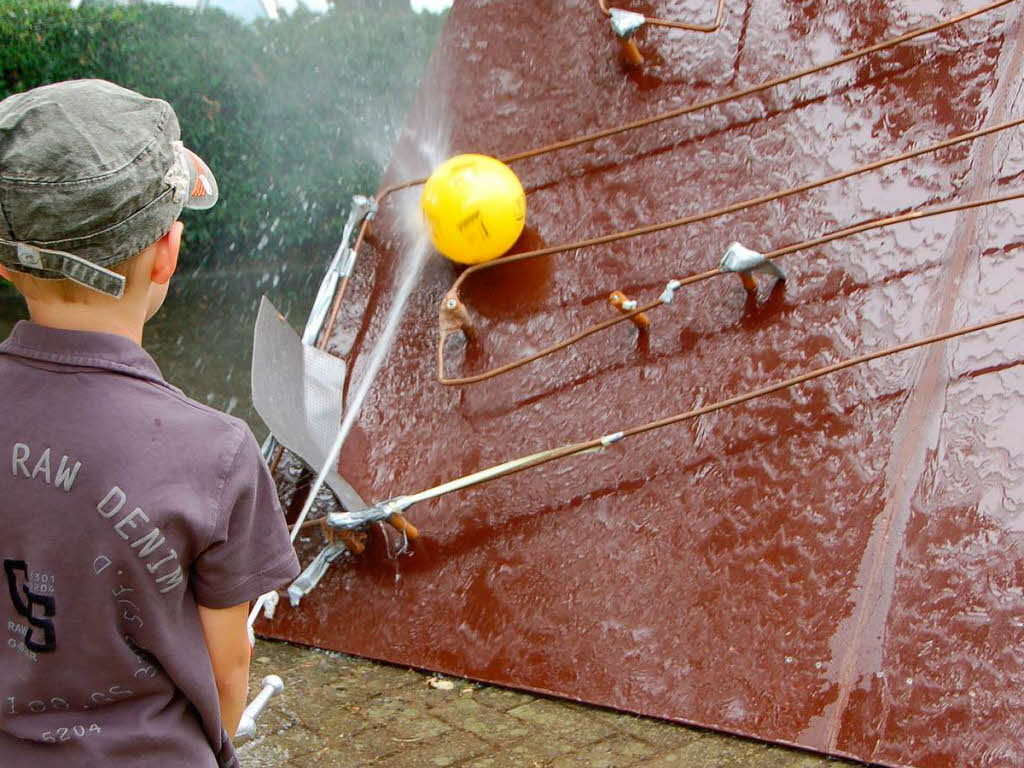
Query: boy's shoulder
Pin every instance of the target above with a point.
(121, 392)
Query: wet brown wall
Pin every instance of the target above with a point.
(838, 566)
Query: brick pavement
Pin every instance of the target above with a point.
(343, 711)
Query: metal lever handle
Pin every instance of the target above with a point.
(272, 685)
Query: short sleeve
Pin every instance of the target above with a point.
(251, 552)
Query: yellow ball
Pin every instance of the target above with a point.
(475, 208)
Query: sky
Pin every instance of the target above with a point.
(434, 6)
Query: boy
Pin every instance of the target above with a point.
(136, 525)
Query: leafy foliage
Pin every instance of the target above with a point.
(293, 116)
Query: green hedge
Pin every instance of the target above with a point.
(294, 116)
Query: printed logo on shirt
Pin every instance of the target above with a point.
(25, 603)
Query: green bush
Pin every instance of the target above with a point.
(294, 116)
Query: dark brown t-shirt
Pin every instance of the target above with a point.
(123, 505)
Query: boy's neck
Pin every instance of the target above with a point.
(86, 318)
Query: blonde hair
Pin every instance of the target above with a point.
(68, 291)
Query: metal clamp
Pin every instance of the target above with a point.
(625, 24)
(670, 291)
(309, 578)
(612, 439)
(354, 521)
(744, 262)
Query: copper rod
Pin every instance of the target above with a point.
(735, 207)
(538, 459)
(276, 460)
(630, 54)
(691, 279)
(817, 374)
(768, 84)
(339, 295)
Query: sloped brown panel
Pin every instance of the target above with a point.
(838, 566)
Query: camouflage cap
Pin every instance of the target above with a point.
(91, 174)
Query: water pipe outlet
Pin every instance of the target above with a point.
(625, 24)
(454, 317)
(624, 304)
(745, 262)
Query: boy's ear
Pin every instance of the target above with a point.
(166, 260)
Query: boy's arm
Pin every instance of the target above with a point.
(227, 641)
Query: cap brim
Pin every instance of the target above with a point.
(202, 185)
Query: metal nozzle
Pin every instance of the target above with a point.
(454, 317)
(743, 261)
(670, 291)
(363, 207)
(353, 521)
(625, 24)
(623, 303)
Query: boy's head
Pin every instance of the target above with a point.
(93, 178)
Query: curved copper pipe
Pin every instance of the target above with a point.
(537, 459)
(679, 24)
(725, 210)
(701, 276)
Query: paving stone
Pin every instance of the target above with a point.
(277, 749)
(619, 751)
(572, 722)
(368, 678)
(494, 726)
(719, 751)
(452, 749)
(538, 750)
(372, 746)
(325, 758)
(502, 699)
(403, 721)
(658, 733)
